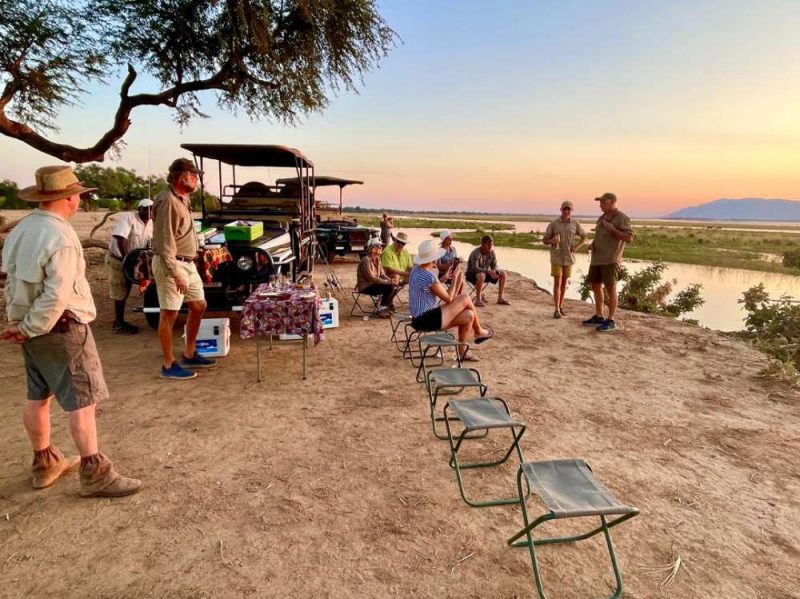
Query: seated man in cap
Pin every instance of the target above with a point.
(395, 258)
(134, 230)
(482, 270)
(560, 236)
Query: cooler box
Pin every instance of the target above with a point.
(328, 314)
(243, 230)
(214, 337)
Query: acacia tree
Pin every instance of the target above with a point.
(273, 59)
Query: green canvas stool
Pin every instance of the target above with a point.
(568, 489)
(431, 347)
(397, 321)
(477, 415)
(447, 381)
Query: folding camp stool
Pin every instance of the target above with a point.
(432, 347)
(446, 381)
(396, 321)
(477, 415)
(568, 489)
(364, 310)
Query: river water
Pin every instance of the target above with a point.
(722, 287)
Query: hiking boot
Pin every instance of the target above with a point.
(49, 465)
(177, 372)
(607, 326)
(197, 361)
(594, 321)
(99, 479)
(125, 328)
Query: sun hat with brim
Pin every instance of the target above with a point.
(400, 237)
(444, 234)
(428, 252)
(145, 203)
(372, 242)
(53, 183)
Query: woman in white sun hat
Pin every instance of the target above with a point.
(435, 308)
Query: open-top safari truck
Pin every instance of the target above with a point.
(336, 235)
(270, 226)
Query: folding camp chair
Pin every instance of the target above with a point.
(568, 489)
(364, 310)
(479, 415)
(446, 381)
(400, 323)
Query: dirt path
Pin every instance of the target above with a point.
(335, 486)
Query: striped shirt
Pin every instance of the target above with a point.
(420, 297)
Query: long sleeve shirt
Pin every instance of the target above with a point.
(46, 274)
(173, 228)
(369, 274)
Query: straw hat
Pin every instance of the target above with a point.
(428, 252)
(53, 183)
(400, 237)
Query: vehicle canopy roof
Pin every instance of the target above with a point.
(321, 181)
(249, 155)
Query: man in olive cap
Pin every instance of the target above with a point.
(49, 307)
(612, 232)
(176, 277)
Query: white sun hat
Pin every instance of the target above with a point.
(428, 252)
(444, 234)
(145, 203)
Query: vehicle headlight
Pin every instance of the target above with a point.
(245, 263)
(340, 236)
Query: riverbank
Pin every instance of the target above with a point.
(335, 487)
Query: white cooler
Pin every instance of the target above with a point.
(328, 314)
(214, 337)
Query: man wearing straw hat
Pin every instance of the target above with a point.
(49, 307)
(395, 258)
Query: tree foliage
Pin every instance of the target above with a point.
(646, 292)
(274, 59)
(9, 196)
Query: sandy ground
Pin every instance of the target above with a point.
(335, 487)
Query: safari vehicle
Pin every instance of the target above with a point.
(336, 235)
(283, 218)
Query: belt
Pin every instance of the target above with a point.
(184, 259)
(63, 323)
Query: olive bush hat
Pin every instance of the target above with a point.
(54, 183)
(607, 196)
(183, 165)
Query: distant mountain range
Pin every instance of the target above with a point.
(743, 209)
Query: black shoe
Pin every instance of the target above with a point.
(594, 321)
(125, 328)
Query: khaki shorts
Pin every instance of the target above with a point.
(558, 270)
(169, 298)
(608, 274)
(118, 286)
(65, 365)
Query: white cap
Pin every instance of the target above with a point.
(444, 234)
(145, 203)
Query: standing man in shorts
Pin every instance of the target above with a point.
(560, 236)
(612, 232)
(133, 231)
(49, 307)
(174, 270)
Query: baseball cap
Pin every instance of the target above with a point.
(607, 196)
(182, 165)
(145, 203)
(566, 204)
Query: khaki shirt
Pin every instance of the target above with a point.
(368, 274)
(173, 228)
(46, 274)
(480, 262)
(607, 249)
(562, 253)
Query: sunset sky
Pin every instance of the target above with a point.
(516, 105)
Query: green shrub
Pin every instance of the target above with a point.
(646, 292)
(774, 328)
(791, 258)
(108, 204)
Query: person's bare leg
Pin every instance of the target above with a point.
(464, 322)
(597, 288)
(36, 418)
(563, 291)
(501, 286)
(479, 278)
(196, 311)
(557, 291)
(165, 325)
(612, 300)
(83, 427)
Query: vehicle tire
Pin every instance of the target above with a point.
(151, 301)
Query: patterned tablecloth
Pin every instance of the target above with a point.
(296, 315)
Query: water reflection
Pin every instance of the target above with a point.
(722, 287)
